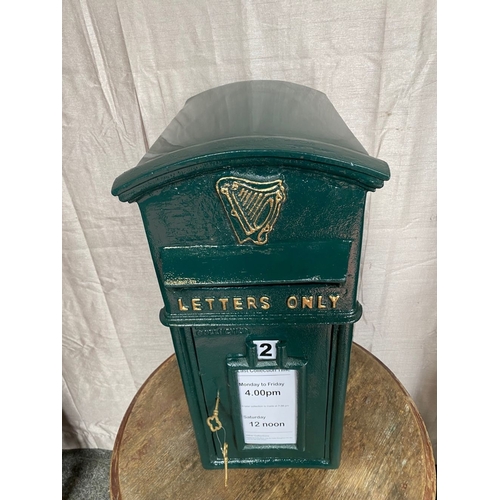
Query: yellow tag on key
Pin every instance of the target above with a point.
(224, 454)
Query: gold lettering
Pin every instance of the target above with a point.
(182, 307)
(307, 302)
(292, 302)
(320, 302)
(334, 299)
(195, 304)
(238, 304)
(251, 303)
(264, 302)
(210, 303)
(224, 303)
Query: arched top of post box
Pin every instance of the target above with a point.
(259, 119)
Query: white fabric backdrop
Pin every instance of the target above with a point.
(129, 66)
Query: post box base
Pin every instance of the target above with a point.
(386, 451)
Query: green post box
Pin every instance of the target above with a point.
(253, 202)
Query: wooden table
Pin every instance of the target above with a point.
(386, 451)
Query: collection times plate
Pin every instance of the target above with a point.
(268, 401)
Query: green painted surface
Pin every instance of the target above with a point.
(253, 204)
(231, 265)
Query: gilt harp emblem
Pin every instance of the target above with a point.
(252, 207)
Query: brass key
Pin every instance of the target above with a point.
(215, 425)
(215, 417)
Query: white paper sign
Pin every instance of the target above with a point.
(268, 406)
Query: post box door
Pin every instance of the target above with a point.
(287, 396)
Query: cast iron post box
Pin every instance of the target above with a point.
(253, 202)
